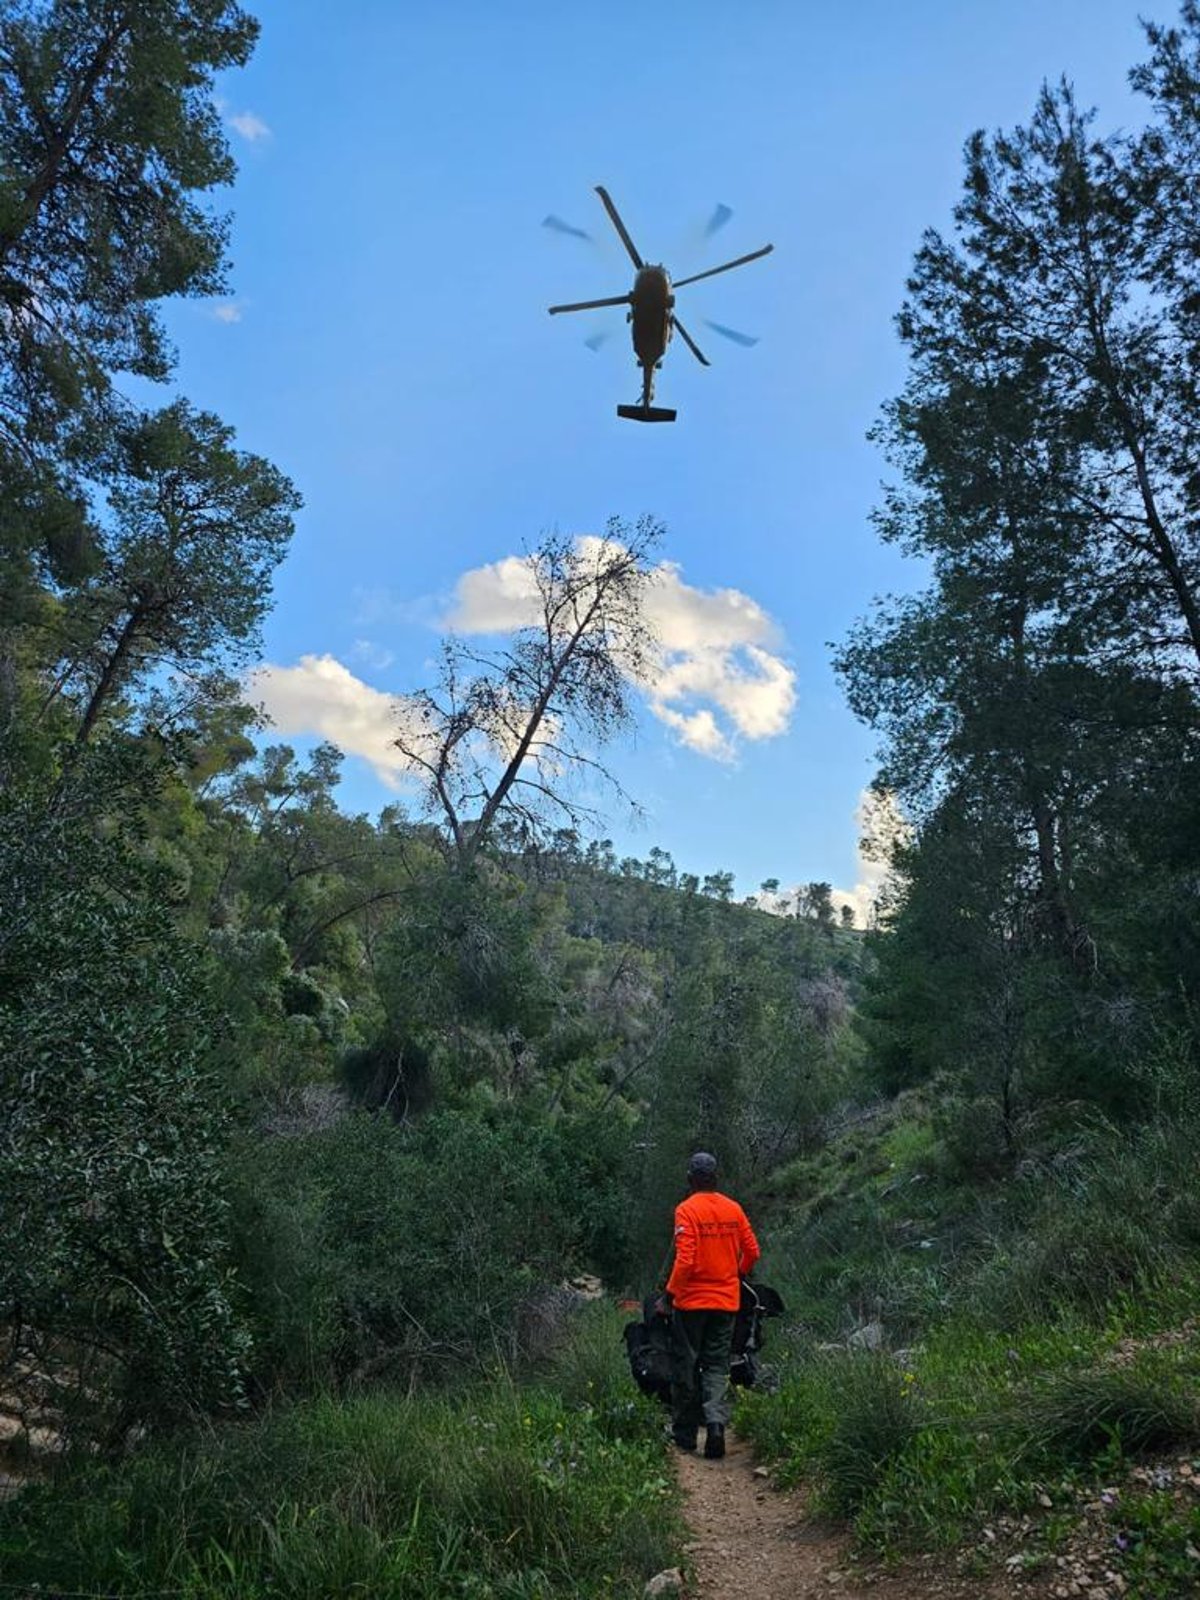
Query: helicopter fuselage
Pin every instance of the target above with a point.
(651, 303)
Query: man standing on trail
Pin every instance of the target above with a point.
(714, 1247)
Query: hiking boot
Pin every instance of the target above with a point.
(684, 1440)
(714, 1441)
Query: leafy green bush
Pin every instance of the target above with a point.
(110, 1180)
(974, 1142)
(371, 1249)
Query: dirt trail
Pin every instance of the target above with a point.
(748, 1538)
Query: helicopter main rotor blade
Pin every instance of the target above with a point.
(728, 267)
(614, 217)
(717, 221)
(746, 339)
(557, 225)
(690, 342)
(591, 305)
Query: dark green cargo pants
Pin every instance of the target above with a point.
(700, 1342)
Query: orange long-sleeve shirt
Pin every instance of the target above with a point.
(714, 1246)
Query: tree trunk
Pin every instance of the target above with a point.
(468, 849)
(1051, 891)
(108, 678)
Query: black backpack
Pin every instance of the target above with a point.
(749, 1331)
(648, 1342)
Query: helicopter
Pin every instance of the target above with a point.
(651, 304)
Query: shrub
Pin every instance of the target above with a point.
(501, 1492)
(974, 1141)
(371, 1250)
(1093, 1227)
(110, 1183)
(1080, 1257)
(842, 1417)
(876, 1416)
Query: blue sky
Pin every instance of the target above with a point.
(386, 341)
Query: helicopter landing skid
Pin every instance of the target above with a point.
(647, 413)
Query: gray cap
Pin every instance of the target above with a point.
(702, 1165)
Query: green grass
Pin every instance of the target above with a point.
(851, 1416)
(910, 1147)
(980, 1422)
(506, 1492)
(1027, 1305)
(1072, 1418)
(880, 1223)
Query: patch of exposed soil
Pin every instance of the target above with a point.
(749, 1538)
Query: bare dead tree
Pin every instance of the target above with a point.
(505, 735)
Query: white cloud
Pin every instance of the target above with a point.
(321, 696)
(699, 732)
(713, 654)
(755, 689)
(687, 618)
(880, 824)
(715, 679)
(228, 311)
(495, 599)
(249, 125)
